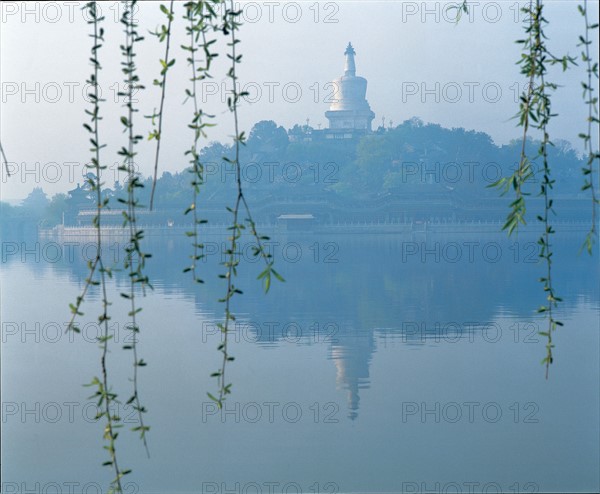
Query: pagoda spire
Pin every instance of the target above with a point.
(350, 68)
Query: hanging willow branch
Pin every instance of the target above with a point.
(543, 114)
(4, 160)
(202, 18)
(105, 397)
(135, 258)
(591, 102)
(535, 113)
(162, 35)
(462, 8)
(230, 26)
(524, 172)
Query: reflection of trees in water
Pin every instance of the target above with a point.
(375, 289)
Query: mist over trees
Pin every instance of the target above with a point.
(413, 162)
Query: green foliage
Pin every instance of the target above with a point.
(105, 397)
(135, 257)
(163, 34)
(266, 137)
(56, 208)
(591, 101)
(230, 27)
(201, 21)
(370, 167)
(535, 113)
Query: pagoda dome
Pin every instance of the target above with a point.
(350, 109)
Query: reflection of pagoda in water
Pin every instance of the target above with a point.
(417, 307)
(352, 355)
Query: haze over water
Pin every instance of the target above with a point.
(367, 372)
(403, 351)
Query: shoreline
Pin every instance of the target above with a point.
(61, 232)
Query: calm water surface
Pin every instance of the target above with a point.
(384, 363)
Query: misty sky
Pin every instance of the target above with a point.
(417, 61)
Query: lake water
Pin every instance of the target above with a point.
(382, 364)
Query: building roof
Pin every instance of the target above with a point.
(296, 217)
